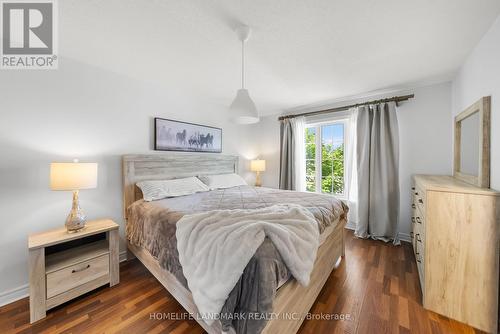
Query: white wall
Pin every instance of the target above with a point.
(425, 137)
(425, 127)
(478, 77)
(84, 112)
(266, 136)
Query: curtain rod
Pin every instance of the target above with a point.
(318, 112)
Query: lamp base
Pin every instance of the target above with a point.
(258, 181)
(76, 219)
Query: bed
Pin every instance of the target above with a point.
(291, 298)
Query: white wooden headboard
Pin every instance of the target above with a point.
(164, 166)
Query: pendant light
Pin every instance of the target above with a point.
(243, 110)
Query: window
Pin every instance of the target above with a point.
(310, 159)
(325, 160)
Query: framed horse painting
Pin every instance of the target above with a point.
(173, 135)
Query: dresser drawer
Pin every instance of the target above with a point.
(419, 219)
(413, 230)
(419, 199)
(419, 256)
(414, 215)
(75, 275)
(419, 245)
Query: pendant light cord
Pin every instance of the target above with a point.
(242, 64)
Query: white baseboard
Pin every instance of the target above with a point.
(123, 256)
(350, 225)
(405, 237)
(10, 296)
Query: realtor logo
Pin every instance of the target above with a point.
(29, 34)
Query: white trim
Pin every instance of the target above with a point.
(350, 225)
(317, 125)
(405, 237)
(319, 157)
(319, 120)
(123, 256)
(12, 295)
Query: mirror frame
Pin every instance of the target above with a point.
(482, 106)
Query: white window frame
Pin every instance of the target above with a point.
(318, 154)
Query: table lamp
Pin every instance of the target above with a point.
(73, 176)
(258, 166)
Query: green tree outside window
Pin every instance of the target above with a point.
(332, 165)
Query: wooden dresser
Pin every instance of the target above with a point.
(455, 229)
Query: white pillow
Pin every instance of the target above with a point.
(222, 181)
(157, 189)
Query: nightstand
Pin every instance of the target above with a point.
(65, 265)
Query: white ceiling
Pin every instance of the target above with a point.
(300, 52)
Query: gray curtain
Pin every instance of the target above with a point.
(377, 156)
(287, 172)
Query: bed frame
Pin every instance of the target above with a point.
(291, 299)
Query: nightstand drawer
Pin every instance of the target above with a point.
(75, 275)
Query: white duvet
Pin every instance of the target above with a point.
(215, 247)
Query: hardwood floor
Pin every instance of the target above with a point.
(376, 286)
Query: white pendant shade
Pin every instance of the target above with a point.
(243, 110)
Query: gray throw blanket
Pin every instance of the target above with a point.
(152, 225)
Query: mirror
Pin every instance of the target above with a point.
(472, 144)
(469, 145)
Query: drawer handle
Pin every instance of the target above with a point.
(420, 201)
(417, 257)
(419, 220)
(81, 269)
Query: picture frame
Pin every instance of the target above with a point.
(172, 135)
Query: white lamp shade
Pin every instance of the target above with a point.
(73, 175)
(258, 165)
(243, 110)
